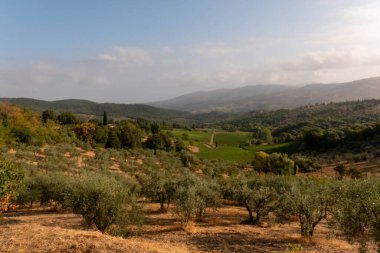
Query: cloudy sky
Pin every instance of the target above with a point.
(139, 51)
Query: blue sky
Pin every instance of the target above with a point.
(139, 51)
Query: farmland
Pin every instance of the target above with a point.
(230, 146)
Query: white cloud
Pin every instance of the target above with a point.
(345, 49)
(218, 49)
(128, 55)
(331, 59)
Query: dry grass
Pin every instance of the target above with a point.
(221, 231)
(52, 232)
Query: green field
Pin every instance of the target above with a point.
(288, 148)
(229, 145)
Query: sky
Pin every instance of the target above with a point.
(136, 51)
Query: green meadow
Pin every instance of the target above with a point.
(230, 145)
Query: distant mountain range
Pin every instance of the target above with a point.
(90, 109)
(213, 106)
(272, 97)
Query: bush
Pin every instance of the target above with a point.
(101, 201)
(276, 163)
(113, 140)
(22, 134)
(10, 183)
(48, 115)
(46, 189)
(306, 164)
(67, 118)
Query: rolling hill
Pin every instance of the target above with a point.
(88, 108)
(272, 97)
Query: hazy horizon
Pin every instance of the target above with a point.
(144, 51)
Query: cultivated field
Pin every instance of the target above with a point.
(229, 146)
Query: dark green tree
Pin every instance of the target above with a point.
(67, 118)
(262, 134)
(105, 119)
(113, 140)
(155, 128)
(129, 135)
(48, 115)
(159, 141)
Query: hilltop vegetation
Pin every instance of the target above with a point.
(91, 109)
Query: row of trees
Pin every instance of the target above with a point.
(120, 134)
(353, 206)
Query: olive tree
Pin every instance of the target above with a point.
(102, 201)
(193, 196)
(256, 193)
(357, 211)
(159, 185)
(307, 199)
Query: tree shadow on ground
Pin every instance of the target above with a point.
(237, 242)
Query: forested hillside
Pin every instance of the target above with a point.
(325, 116)
(92, 109)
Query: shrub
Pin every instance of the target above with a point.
(159, 141)
(341, 170)
(48, 115)
(106, 202)
(306, 164)
(113, 140)
(22, 134)
(276, 163)
(51, 188)
(85, 131)
(101, 201)
(129, 135)
(10, 182)
(67, 118)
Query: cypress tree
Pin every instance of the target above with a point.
(105, 119)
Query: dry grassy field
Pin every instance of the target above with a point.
(42, 230)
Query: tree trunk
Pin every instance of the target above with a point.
(257, 219)
(250, 219)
